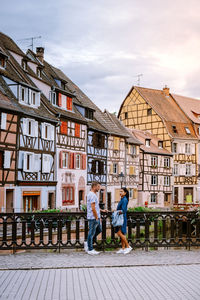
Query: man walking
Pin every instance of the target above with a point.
(93, 216)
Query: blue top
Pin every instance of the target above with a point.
(122, 205)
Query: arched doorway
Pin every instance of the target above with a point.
(81, 191)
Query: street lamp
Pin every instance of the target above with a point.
(121, 178)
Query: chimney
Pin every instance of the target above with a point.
(40, 53)
(166, 91)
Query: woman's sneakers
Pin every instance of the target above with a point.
(93, 252)
(127, 250)
(120, 251)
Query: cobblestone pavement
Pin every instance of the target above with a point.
(72, 258)
(146, 283)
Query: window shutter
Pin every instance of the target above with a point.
(69, 103)
(77, 130)
(74, 161)
(63, 127)
(135, 193)
(129, 149)
(111, 169)
(35, 124)
(102, 141)
(52, 132)
(42, 130)
(36, 162)
(24, 126)
(37, 99)
(3, 120)
(93, 169)
(131, 170)
(60, 99)
(83, 161)
(137, 150)
(7, 159)
(45, 164)
(116, 143)
(71, 164)
(94, 139)
(61, 159)
(25, 162)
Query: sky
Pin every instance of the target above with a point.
(103, 45)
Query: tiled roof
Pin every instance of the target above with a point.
(9, 44)
(143, 135)
(190, 106)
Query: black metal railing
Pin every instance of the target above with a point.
(70, 230)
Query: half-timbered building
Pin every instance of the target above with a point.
(158, 112)
(156, 176)
(123, 160)
(33, 130)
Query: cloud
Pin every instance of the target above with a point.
(103, 45)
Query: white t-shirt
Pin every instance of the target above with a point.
(92, 198)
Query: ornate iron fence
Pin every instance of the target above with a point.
(70, 230)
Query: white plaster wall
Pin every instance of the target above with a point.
(75, 176)
(17, 57)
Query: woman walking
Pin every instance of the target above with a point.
(121, 231)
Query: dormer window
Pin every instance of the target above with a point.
(174, 128)
(89, 114)
(187, 130)
(160, 144)
(2, 62)
(147, 142)
(24, 64)
(39, 72)
(28, 96)
(63, 85)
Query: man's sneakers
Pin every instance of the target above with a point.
(93, 252)
(127, 250)
(86, 246)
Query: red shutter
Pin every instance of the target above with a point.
(59, 99)
(69, 103)
(71, 165)
(83, 167)
(77, 130)
(63, 127)
(61, 161)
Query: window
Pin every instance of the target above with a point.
(98, 140)
(147, 142)
(115, 168)
(154, 179)
(24, 64)
(133, 150)
(97, 167)
(116, 143)
(126, 115)
(187, 148)
(29, 127)
(149, 112)
(68, 195)
(78, 161)
(65, 159)
(160, 144)
(166, 162)
(89, 114)
(47, 131)
(154, 161)
(187, 130)
(63, 127)
(174, 147)
(174, 128)
(2, 62)
(63, 85)
(52, 98)
(175, 169)
(187, 169)
(166, 180)
(39, 72)
(23, 94)
(153, 198)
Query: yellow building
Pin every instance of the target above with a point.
(156, 111)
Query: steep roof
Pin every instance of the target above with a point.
(190, 106)
(168, 110)
(116, 127)
(9, 44)
(154, 149)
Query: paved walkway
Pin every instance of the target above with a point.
(166, 274)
